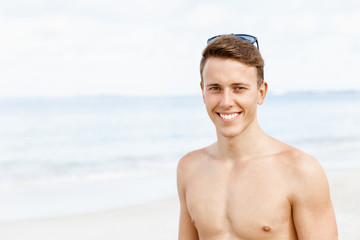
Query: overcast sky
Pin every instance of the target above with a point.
(81, 47)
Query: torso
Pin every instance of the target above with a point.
(247, 200)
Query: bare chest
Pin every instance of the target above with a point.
(240, 205)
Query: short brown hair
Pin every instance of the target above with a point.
(228, 46)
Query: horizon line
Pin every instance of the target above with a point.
(271, 93)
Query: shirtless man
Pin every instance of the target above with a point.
(248, 185)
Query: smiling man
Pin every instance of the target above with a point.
(248, 185)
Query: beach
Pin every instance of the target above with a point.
(344, 187)
(154, 220)
(79, 168)
(158, 220)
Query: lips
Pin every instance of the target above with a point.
(228, 116)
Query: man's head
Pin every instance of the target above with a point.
(229, 46)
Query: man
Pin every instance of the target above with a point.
(248, 185)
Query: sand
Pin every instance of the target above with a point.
(159, 220)
(345, 193)
(155, 220)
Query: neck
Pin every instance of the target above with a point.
(249, 144)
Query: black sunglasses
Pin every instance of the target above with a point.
(246, 37)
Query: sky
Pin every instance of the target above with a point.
(153, 47)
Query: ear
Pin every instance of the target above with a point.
(262, 93)
(202, 90)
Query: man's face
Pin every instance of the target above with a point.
(231, 95)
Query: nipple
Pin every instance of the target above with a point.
(193, 221)
(266, 228)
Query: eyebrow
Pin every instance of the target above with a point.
(212, 85)
(240, 84)
(233, 84)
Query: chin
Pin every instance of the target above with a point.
(229, 134)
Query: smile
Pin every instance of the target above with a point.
(230, 116)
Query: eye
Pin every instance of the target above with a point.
(239, 88)
(214, 89)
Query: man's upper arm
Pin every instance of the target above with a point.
(187, 230)
(313, 213)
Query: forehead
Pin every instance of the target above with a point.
(228, 70)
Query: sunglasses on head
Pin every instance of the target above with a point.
(246, 37)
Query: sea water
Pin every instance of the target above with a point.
(72, 155)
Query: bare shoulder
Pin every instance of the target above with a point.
(189, 164)
(306, 173)
(191, 158)
(186, 172)
(304, 166)
(309, 196)
(191, 161)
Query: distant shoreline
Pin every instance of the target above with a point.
(109, 96)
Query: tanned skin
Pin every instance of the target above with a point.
(248, 185)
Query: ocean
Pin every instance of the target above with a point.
(71, 155)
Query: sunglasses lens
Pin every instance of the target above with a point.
(210, 39)
(246, 37)
(250, 39)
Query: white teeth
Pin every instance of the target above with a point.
(229, 116)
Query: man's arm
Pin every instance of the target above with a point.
(313, 213)
(187, 230)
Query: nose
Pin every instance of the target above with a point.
(227, 99)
